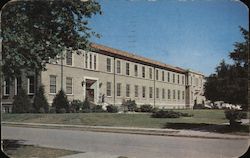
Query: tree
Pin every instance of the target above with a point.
(35, 31)
(61, 102)
(40, 101)
(21, 103)
(229, 83)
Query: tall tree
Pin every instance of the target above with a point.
(229, 83)
(35, 31)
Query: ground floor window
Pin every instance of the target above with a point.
(52, 84)
(6, 87)
(69, 85)
(127, 90)
(108, 89)
(118, 90)
(143, 92)
(136, 90)
(31, 84)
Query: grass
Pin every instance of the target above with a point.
(124, 120)
(14, 149)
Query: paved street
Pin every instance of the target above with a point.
(130, 145)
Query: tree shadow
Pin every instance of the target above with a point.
(11, 144)
(208, 127)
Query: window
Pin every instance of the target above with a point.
(69, 58)
(143, 92)
(52, 84)
(173, 94)
(143, 72)
(136, 70)
(108, 65)
(150, 92)
(118, 89)
(178, 79)
(127, 68)
(163, 77)
(163, 93)
(69, 85)
(6, 87)
(156, 75)
(168, 77)
(18, 85)
(183, 80)
(108, 89)
(95, 62)
(157, 92)
(90, 61)
(118, 66)
(178, 94)
(136, 90)
(183, 95)
(191, 81)
(169, 94)
(127, 90)
(86, 60)
(173, 78)
(150, 73)
(31, 84)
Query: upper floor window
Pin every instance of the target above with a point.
(136, 90)
(95, 62)
(69, 85)
(150, 92)
(150, 73)
(118, 66)
(127, 68)
(108, 89)
(90, 61)
(86, 60)
(173, 78)
(108, 65)
(168, 77)
(183, 80)
(143, 72)
(127, 90)
(31, 84)
(162, 76)
(69, 58)
(178, 79)
(156, 74)
(52, 84)
(118, 89)
(136, 70)
(6, 89)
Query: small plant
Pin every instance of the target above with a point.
(62, 110)
(233, 116)
(86, 106)
(41, 110)
(169, 114)
(146, 108)
(112, 109)
(76, 105)
(21, 103)
(97, 108)
(130, 105)
(60, 101)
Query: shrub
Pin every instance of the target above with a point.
(21, 103)
(243, 115)
(60, 101)
(169, 114)
(40, 101)
(86, 106)
(129, 104)
(233, 116)
(146, 108)
(76, 105)
(41, 110)
(112, 108)
(98, 108)
(62, 110)
(52, 110)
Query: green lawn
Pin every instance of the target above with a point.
(123, 120)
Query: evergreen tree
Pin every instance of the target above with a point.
(21, 103)
(61, 102)
(40, 101)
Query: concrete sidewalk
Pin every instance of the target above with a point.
(132, 130)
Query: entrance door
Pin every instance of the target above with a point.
(90, 94)
(91, 86)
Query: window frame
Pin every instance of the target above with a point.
(71, 86)
(50, 85)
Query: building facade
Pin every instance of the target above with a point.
(109, 76)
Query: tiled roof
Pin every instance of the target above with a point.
(117, 52)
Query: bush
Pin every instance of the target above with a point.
(169, 114)
(62, 110)
(40, 101)
(60, 101)
(112, 108)
(21, 103)
(243, 115)
(146, 108)
(129, 104)
(41, 110)
(75, 105)
(86, 106)
(52, 110)
(233, 116)
(98, 108)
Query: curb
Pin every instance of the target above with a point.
(126, 130)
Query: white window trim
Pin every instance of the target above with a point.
(137, 91)
(128, 69)
(72, 58)
(71, 84)
(4, 90)
(29, 86)
(109, 96)
(120, 67)
(111, 67)
(49, 84)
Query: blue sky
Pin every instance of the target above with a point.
(195, 34)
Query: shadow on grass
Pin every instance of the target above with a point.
(209, 127)
(11, 144)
